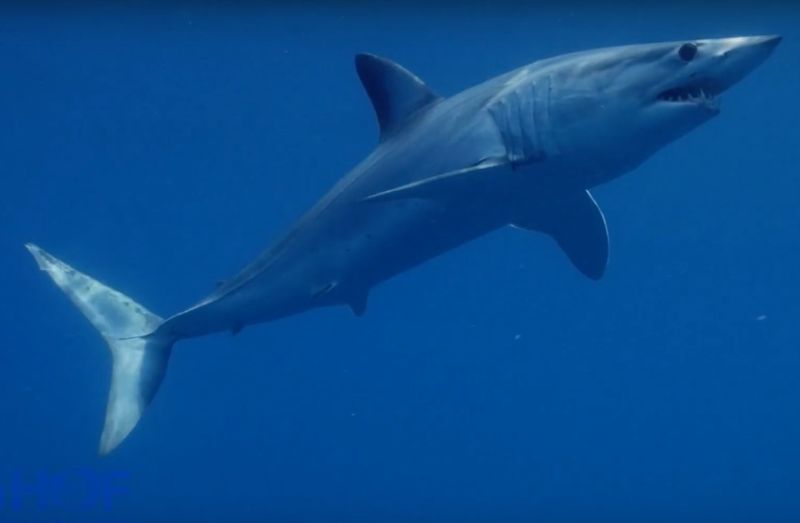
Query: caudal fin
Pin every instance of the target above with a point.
(138, 363)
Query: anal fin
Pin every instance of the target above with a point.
(358, 303)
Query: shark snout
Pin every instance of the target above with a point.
(750, 49)
(736, 57)
(767, 43)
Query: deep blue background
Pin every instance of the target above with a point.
(160, 150)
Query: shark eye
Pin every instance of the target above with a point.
(687, 52)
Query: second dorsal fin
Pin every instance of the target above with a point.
(394, 91)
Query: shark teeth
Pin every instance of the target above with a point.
(693, 94)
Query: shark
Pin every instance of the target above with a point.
(522, 149)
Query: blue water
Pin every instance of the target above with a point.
(160, 150)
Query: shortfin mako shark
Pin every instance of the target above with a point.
(521, 149)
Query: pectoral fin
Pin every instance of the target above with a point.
(448, 184)
(578, 226)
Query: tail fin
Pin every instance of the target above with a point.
(138, 362)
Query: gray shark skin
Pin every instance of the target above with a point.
(521, 149)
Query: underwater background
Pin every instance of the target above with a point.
(160, 149)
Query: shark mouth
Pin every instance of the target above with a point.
(705, 93)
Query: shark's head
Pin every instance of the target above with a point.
(619, 105)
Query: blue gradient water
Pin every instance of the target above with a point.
(160, 150)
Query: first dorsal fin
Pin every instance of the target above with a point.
(394, 91)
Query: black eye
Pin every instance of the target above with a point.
(687, 52)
